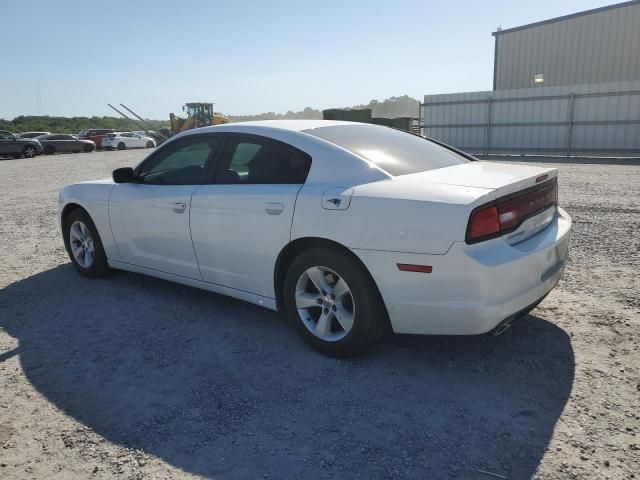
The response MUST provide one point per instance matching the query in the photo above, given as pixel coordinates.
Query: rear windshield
(395, 151)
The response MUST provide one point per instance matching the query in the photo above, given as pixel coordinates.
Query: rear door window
(253, 160)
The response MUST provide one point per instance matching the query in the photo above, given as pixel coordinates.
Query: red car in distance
(95, 135)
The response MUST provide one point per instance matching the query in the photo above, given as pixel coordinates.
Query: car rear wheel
(83, 245)
(121, 146)
(29, 151)
(150, 144)
(49, 150)
(88, 148)
(333, 302)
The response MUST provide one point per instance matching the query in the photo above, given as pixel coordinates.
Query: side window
(182, 162)
(249, 161)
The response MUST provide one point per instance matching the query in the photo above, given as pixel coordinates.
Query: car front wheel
(29, 151)
(333, 302)
(83, 244)
(121, 146)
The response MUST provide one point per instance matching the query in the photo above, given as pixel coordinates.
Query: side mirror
(124, 175)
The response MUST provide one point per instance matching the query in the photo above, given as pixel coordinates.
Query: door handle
(273, 208)
(179, 207)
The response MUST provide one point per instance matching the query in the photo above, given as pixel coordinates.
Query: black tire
(29, 151)
(99, 267)
(150, 144)
(49, 150)
(370, 320)
(122, 146)
(87, 149)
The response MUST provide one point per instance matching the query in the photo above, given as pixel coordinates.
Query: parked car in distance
(126, 140)
(63, 143)
(95, 135)
(13, 146)
(350, 229)
(33, 134)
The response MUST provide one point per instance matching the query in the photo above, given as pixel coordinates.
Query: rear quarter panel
(390, 216)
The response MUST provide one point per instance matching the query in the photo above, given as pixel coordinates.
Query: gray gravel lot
(133, 377)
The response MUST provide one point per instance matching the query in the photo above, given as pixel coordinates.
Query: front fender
(94, 198)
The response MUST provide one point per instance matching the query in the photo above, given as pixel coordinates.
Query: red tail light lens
(484, 223)
(507, 214)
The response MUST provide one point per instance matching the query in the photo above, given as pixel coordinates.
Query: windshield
(395, 151)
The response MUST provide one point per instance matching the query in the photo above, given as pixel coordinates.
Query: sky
(71, 58)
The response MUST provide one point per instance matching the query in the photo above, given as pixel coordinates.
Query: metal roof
(566, 17)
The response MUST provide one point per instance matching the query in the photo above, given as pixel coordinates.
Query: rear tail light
(484, 223)
(506, 214)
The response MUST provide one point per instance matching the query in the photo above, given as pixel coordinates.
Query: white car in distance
(124, 140)
(350, 229)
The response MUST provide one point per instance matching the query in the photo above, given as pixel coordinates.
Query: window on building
(538, 79)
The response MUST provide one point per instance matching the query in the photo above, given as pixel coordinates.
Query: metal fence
(597, 119)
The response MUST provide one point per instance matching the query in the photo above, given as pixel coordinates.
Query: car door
(241, 221)
(137, 141)
(68, 143)
(8, 144)
(150, 218)
(126, 139)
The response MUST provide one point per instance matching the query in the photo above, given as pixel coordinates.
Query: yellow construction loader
(199, 114)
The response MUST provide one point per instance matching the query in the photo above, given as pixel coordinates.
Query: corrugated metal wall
(594, 48)
(597, 119)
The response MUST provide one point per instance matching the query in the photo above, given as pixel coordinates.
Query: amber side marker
(407, 267)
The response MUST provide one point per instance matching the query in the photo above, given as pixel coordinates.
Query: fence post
(488, 127)
(570, 122)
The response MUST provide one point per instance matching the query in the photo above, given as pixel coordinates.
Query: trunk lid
(503, 178)
(521, 200)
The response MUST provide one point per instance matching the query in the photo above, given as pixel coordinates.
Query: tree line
(403, 106)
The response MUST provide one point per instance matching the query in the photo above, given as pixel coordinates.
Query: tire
(49, 150)
(150, 144)
(122, 146)
(96, 264)
(87, 149)
(362, 303)
(29, 151)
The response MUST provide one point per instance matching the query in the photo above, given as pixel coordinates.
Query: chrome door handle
(274, 208)
(179, 207)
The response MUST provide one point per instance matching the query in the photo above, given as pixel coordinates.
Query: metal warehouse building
(565, 86)
(596, 46)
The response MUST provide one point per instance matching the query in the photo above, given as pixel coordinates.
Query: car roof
(290, 125)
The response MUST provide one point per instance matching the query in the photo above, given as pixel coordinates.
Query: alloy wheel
(81, 243)
(325, 303)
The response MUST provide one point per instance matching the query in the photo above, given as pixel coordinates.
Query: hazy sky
(248, 56)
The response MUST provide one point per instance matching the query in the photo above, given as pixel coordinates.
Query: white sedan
(350, 229)
(125, 140)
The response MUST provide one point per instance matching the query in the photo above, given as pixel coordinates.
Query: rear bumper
(472, 288)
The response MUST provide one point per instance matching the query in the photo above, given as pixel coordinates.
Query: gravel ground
(133, 377)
